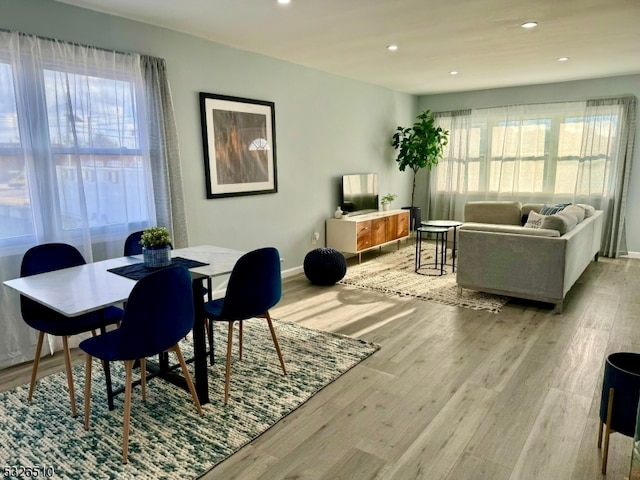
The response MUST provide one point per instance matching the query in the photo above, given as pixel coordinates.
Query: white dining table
(77, 290)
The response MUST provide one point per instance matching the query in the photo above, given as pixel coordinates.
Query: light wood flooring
(453, 393)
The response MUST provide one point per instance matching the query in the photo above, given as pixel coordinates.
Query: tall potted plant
(420, 146)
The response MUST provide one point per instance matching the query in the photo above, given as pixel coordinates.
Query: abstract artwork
(238, 137)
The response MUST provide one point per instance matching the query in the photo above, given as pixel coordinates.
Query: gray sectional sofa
(496, 254)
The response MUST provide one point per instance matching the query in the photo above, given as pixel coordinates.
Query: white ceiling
(481, 39)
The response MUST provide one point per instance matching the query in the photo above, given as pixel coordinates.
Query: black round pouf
(324, 266)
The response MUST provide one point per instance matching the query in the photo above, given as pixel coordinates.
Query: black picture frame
(239, 145)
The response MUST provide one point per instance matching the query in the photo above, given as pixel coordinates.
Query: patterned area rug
(168, 440)
(394, 273)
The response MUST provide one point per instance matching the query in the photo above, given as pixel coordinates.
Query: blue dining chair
(132, 247)
(132, 244)
(157, 315)
(255, 286)
(45, 258)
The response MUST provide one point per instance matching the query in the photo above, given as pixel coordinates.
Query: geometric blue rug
(168, 439)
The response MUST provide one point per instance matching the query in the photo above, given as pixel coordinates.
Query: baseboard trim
(290, 272)
(632, 255)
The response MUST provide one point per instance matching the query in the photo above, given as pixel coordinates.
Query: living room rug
(394, 273)
(168, 439)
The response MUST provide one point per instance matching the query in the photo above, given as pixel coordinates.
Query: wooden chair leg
(605, 451)
(36, 363)
(187, 377)
(227, 374)
(143, 378)
(87, 390)
(600, 434)
(128, 368)
(67, 364)
(275, 341)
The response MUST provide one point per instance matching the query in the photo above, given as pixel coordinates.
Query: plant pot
(619, 399)
(385, 207)
(154, 257)
(415, 217)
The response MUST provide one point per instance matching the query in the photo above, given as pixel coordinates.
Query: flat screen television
(360, 193)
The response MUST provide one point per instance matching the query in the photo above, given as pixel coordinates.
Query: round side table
(446, 224)
(441, 237)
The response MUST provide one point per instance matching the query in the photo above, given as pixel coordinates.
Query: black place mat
(138, 270)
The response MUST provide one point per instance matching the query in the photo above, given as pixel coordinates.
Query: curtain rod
(463, 111)
(51, 39)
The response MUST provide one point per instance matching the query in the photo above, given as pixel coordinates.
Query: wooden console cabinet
(364, 232)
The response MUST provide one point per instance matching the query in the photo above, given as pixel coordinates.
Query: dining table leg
(199, 344)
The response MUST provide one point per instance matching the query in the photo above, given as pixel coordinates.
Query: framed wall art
(239, 143)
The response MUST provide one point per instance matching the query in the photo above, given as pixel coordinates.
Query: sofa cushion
(563, 222)
(498, 212)
(576, 210)
(588, 209)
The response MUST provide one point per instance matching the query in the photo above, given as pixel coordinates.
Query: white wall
(326, 125)
(566, 91)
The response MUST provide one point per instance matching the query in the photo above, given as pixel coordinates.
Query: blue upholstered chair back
(255, 285)
(132, 244)
(158, 313)
(45, 258)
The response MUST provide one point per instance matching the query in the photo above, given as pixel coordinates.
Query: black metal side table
(446, 224)
(441, 238)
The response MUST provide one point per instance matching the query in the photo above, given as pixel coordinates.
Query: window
(537, 156)
(71, 147)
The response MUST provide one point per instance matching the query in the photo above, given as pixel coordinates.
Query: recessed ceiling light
(453, 72)
(563, 59)
(529, 24)
(284, 2)
(392, 48)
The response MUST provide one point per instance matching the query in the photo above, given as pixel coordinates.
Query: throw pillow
(576, 210)
(534, 220)
(553, 209)
(562, 222)
(588, 209)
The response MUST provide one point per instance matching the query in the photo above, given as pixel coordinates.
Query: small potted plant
(387, 199)
(156, 247)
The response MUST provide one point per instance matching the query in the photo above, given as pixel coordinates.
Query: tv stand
(360, 212)
(364, 232)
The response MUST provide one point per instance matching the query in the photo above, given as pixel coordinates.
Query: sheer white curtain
(449, 180)
(576, 152)
(603, 166)
(74, 161)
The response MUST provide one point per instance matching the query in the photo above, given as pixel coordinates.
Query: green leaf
(420, 145)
